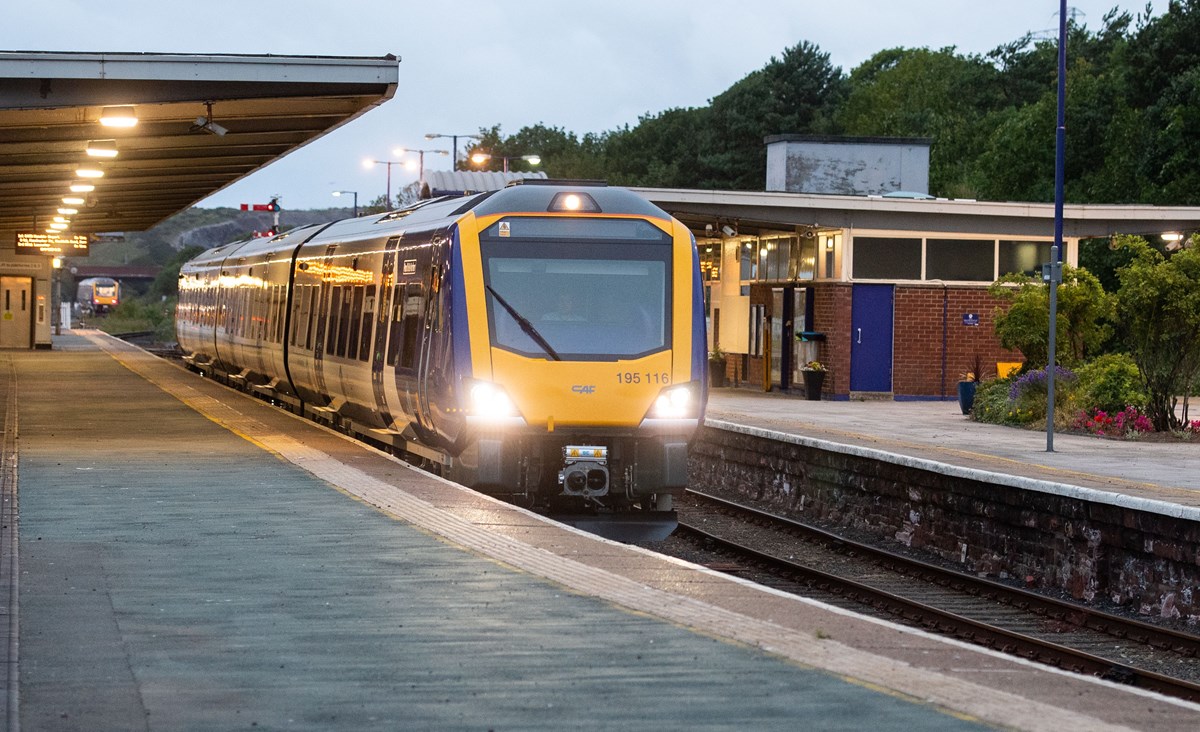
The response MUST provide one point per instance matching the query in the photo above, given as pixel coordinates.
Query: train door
(322, 313)
(16, 320)
(385, 312)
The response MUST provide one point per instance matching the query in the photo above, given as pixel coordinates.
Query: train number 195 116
(643, 377)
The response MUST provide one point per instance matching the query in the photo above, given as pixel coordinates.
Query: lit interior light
(89, 173)
(59, 227)
(60, 220)
(121, 116)
(82, 187)
(73, 200)
(68, 211)
(102, 148)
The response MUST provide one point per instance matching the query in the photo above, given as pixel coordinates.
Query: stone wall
(1045, 535)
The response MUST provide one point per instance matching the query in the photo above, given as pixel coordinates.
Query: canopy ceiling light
(58, 226)
(73, 200)
(82, 187)
(68, 211)
(89, 173)
(122, 116)
(102, 148)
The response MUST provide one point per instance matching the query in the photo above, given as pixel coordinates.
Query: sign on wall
(970, 318)
(52, 244)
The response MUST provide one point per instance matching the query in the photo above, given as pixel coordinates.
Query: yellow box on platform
(1005, 368)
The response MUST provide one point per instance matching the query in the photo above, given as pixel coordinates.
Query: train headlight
(675, 402)
(489, 403)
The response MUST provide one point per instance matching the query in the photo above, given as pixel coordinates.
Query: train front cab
(584, 332)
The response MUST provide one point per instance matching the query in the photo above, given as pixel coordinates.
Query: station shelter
(888, 292)
(93, 145)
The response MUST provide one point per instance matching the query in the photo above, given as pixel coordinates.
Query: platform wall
(1145, 561)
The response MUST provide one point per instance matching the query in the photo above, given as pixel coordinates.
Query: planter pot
(813, 381)
(966, 396)
(716, 373)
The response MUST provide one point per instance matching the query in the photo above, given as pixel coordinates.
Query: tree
(1085, 312)
(1159, 308)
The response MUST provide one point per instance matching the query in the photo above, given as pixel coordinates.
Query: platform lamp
(387, 196)
(350, 193)
(57, 263)
(420, 160)
(453, 145)
(481, 158)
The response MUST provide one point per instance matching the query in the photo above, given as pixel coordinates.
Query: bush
(1021, 400)
(1110, 383)
(1128, 422)
(992, 405)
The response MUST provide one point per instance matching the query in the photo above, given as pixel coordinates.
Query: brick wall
(932, 346)
(1145, 561)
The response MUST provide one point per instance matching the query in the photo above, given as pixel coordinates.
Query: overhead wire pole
(1055, 269)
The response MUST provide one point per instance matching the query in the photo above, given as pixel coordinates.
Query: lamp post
(481, 158)
(453, 145)
(387, 197)
(350, 193)
(420, 158)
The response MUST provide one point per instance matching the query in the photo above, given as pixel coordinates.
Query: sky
(471, 64)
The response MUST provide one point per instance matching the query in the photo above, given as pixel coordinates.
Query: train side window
(368, 320)
(354, 320)
(413, 302)
(310, 339)
(297, 303)
(335, 309)
(395, 324)
(280, 308)
(343, 317)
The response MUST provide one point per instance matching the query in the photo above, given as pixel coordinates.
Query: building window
(710, 261)
(960, 259)
(1025, 257)
(749, 262)
(882, 258)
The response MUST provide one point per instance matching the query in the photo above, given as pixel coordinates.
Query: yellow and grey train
(544, 342)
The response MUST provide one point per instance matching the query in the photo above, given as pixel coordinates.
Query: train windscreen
(578, 289)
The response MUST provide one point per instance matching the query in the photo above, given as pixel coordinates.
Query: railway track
(785, 554)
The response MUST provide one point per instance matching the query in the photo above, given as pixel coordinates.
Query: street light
(350, 193)
(454, 144)
(421, 160)
(387, 197)
(481, 158)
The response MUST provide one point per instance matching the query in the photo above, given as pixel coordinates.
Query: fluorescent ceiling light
(82, 187)
(89, 173)
(73, 200)
(102, 148)
(123, 116)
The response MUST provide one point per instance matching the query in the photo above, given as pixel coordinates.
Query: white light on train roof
(68, 211)
(89, 172)
(574, 202)
(73, 200)
(82, 187)
(121, 116)
(102, 148)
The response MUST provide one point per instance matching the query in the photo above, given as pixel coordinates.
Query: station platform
(178, 556)
(1161, 475)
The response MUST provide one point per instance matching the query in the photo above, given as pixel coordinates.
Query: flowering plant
(814, 366)
(1128, 422)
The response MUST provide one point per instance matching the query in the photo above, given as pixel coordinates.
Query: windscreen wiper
(526, 326)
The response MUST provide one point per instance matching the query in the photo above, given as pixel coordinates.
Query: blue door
(871, 338)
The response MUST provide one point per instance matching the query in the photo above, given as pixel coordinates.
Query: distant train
(98, 294)
(544, 342)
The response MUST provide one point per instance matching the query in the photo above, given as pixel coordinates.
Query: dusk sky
(586, 67)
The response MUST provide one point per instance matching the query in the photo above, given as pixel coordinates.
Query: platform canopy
(203, 122)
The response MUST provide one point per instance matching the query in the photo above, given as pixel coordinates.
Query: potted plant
(814, 379)
(967, 385)
(716, 367)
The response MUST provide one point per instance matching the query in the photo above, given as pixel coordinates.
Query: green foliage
(1083, 324)
(992, 406)
(1110, 383)
(139, 316)
(1159, 306)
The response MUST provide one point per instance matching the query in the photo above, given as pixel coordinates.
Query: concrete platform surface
(190, 558)
(1164, 471)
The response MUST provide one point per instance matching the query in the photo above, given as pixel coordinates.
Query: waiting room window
(883, 258)
(1025, 257)
(960, 259)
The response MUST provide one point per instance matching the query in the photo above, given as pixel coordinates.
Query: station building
(882, 283)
